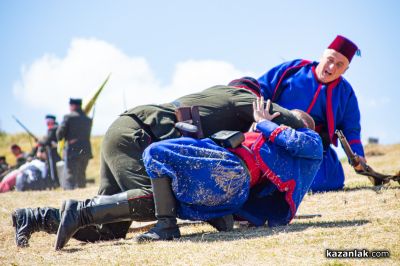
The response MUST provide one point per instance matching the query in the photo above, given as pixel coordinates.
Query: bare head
(307, 120)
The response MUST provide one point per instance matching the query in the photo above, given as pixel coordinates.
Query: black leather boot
(165, 205)
(222, 224)
(99, 210)
(27, 221)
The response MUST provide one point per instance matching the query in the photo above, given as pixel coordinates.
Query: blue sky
(158, 50)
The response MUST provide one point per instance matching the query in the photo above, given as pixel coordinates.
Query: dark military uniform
(221, 108)
(50, 144)
(75, 129)
(122, 169)
(20, 160)
(4, 168)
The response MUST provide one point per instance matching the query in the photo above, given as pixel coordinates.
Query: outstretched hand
(260, 113)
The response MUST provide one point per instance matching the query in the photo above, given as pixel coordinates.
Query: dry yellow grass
(358, 217)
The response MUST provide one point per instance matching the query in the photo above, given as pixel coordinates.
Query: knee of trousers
(141, 207)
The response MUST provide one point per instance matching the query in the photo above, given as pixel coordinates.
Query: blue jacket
(294, 85)
(335, 107)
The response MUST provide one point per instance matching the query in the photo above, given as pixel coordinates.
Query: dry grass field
(359, 217)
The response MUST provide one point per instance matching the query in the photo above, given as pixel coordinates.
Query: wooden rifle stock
(353, 158)
(375, 177)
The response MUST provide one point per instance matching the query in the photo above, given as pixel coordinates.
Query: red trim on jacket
(329, 110)
(355, 141)
(244, 152)
(314, 99)
(300, 65)
(276, 132)
(319, 128)
(257, 93)
(330, 118)
(287, 186)
(141, 197)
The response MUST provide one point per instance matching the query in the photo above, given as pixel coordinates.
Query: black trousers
(121, 169)
(141, 209)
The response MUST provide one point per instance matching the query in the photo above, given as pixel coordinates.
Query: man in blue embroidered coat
(275, 165)
(320, 90)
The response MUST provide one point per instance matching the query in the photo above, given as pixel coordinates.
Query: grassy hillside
(358, 217)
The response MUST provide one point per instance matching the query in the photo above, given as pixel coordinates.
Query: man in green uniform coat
(125, 188)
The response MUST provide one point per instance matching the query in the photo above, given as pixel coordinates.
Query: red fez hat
(344, 46)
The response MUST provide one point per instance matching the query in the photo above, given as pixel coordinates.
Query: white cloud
(49, 81)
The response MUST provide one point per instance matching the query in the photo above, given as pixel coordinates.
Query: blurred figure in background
(3, 166)
(20, 156)
(49, 142)
(75, 129)
(32, 175)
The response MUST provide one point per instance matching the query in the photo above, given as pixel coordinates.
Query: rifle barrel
(25, 128)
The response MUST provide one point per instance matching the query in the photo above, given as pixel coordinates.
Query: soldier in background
(75, 129)
(20, 156)
(3, 166)
(49, 142)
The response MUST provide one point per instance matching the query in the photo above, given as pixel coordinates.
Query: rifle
(48, 151)
(354, 160)
(25, 128)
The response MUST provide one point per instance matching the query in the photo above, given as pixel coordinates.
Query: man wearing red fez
(320, 89)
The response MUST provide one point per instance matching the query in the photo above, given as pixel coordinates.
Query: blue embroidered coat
(210, 181)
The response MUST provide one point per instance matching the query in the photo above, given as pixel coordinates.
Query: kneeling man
(264, 179)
